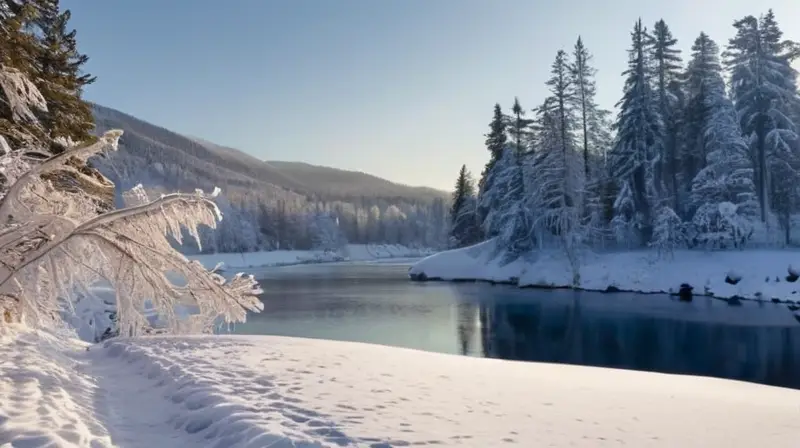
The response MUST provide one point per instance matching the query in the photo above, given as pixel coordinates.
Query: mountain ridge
(205, 161)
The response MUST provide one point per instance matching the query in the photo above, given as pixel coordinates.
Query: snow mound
(765, 274)
(476, 262)
(258, 391)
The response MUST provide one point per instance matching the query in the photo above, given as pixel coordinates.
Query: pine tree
(585, 88)
(556, 179)
(36, 41)
(60, 73)
(464, 227)
(595, 133)
(520, 129)
(702, 71)
(723, 194)
(496, 141)
(635, 151)
(763, 87)
(667, 65)
(510, 220)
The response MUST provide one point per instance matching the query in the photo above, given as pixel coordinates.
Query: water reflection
(569, 331)
(377, 304)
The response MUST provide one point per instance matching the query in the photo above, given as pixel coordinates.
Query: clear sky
(402, 89)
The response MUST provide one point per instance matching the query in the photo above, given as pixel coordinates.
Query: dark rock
(735, 301)
(792, 277)
(612, 288)
(776, 300)
(685, 292)
(421, 277)
(731, 281)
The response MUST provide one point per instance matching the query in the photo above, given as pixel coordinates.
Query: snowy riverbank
(351, 252)
(286, 392)
(760, 273)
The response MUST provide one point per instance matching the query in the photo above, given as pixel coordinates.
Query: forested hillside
(271, 205)
(703, 151)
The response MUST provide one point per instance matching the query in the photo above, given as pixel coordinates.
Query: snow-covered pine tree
(558, 182)
(464, 226)
(667, 62)
(325, 233)
(582, 74)
(764, 90)
(595, 137)
(511, 221)
(702, 71)
(668, 232)
(633, 158)
(61, 79)
(722, 199)
(520, 129)
(496, 141)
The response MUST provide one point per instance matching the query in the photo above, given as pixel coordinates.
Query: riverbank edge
(484, 269)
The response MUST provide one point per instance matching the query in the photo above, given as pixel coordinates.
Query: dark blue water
(378, 304)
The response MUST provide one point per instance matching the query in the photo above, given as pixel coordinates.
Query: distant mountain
(160, 157)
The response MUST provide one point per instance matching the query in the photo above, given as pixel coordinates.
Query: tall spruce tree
(464, 228)
(61, 79)
(595, 138)
(585, 90)
(557, 179)
(764, 90)
(496, 141)
(520, 129)
(635, 151)
(723, 196)
(667, 63)
(37, 41)
(701, 74)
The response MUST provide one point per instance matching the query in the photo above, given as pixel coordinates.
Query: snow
(351, 252)
(259, 391)
(763, 272)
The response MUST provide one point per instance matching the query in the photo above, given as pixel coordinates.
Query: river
(376, 303)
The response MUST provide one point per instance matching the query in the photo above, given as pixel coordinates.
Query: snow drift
(285, 392)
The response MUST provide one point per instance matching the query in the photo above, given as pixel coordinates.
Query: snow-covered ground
(352, 252)
(761, 273)
(265, 391)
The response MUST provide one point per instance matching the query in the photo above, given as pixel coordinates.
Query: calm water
(376, 303)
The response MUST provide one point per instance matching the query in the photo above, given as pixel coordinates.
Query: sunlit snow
(284, 392)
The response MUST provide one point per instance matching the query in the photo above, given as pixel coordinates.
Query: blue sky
(402, 89)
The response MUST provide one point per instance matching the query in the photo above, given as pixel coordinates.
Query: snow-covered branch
(56, 244)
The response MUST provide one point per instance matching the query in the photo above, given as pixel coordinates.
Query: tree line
(700, 154)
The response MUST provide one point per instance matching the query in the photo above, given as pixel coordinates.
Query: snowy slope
(286, 392)
(761, 273)
(352, 252)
